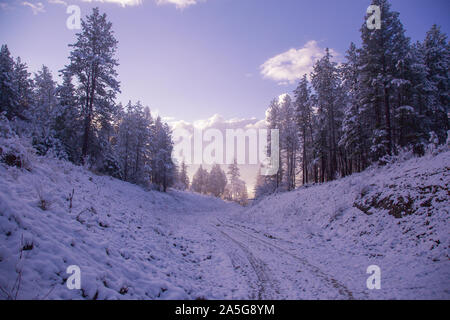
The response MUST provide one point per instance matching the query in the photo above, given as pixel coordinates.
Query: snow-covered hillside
(313, 243)
(122, 237)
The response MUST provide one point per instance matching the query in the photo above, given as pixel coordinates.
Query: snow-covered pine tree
(163, 172)
(126, 139)
(183, 178)
(23, 85)
(289, 141)
(355, 137)
(93, 63)
(237, 190)
(273, 120)
(437, 59)
(42, 114)
(328, 98)
(382, 50)
(142, 124)
(8, 92)
(134, 139)
(67, 119)
(217, 181)
(410, 124)
(243, 197)
(234, 176)
(304, 115)
(421, 95)
(200, 180)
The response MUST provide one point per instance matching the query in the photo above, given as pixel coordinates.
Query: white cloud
(36, 8)
(123, 3)
(218, 122)
(291, 65)
(180, 4)
(58, 2)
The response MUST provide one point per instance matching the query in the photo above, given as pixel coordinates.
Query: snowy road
(297, 277)
(253, 265)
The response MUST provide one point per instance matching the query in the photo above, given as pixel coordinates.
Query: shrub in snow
(44, 199)
(5, 127)
(110, 166)
(14, 151)
(434, 148)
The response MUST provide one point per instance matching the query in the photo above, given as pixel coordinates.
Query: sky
(207, 61)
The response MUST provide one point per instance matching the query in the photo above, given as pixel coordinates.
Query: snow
(312, 243)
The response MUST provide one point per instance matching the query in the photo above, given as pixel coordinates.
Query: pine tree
(237, 190)
(183, 178)
(67, 119)
(328, 98)
(421, 95)
(304, 115)
(355, 137)
(409, 122)
(23, 85)
(162, 166)
(436, 55)
(93, 63)
(200, 181)
(243, 198)
(44, 105)
(134, 143)
(142, 138)
(289, 141)
(382, 50)
(273, 120)
(217, 181)
(126, 141)
(8, 92)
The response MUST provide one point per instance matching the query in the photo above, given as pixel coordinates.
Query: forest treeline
(388, 95)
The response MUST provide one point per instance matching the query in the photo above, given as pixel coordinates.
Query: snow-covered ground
(313, 243)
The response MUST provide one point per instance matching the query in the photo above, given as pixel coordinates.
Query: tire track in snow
(342, 289)
(265, 283)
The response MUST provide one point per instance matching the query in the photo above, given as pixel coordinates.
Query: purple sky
(191, 59)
